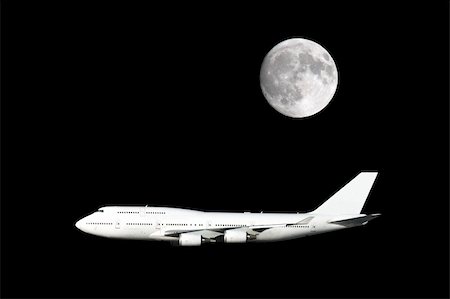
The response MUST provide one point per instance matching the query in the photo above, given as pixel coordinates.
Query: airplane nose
(78, 224)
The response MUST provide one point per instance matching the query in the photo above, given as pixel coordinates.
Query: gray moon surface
(298, 77)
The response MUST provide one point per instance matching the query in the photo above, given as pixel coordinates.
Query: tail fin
(349, 199)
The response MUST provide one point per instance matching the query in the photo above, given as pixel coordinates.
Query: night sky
(120, 104)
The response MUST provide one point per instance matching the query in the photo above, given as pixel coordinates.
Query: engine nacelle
(235, 236)
(190, 240)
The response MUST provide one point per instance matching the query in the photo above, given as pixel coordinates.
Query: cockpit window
(100, 210)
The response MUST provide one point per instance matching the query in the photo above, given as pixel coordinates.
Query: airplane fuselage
(157, 223)
(188, 227)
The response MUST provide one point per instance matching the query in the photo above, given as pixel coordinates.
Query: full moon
(298, 77)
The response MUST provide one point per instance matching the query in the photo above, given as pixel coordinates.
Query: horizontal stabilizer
(354, 221)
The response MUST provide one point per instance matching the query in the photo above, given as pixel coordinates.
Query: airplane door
(117, 224)
(157, 224)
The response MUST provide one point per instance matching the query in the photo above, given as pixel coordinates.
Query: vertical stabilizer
(349, 199)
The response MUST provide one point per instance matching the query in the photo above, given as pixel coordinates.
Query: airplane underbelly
(282, 233)
(132, 233)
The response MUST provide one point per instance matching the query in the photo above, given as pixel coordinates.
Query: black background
(120, 104)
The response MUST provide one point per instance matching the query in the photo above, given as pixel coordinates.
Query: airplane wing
(207, 234)
(354, 221)
(262, 228)
(213, 233)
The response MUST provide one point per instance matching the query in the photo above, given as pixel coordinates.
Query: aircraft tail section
(349, 199)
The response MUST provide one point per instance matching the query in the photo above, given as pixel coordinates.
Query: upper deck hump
(149, 210)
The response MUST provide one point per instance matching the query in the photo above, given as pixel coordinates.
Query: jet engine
(235, 236)
(190, 240)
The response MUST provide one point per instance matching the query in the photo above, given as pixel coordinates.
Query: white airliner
(187, 227)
